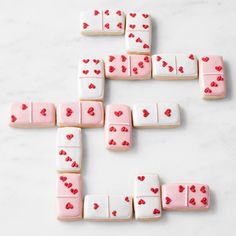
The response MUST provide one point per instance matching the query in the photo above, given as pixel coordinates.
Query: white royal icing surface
(96, 207)
(145, 114)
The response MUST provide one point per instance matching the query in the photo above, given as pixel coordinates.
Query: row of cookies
(148, 200)
(136, 26)
(119, 119)
(210, 71)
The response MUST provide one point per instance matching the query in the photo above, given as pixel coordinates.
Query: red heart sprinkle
(164, 63)
(139, 40)
(111, 69)
(181, 69)
(96, 61)
(125, 143)
(145, 113)
(158, 58)
(85, 25)
(124, 129)
(214, 84)
(191, 56)
(220, 78)
(181, 188)
(127, 199)
(218, 68)
(107, 12)
(107, 25)
(119, 25)
(154, 190)
(112, 142)
(207, 90)
(146, 46)
(131, 35)
(85, 72)
(170, 68)
(96, 12)
(62, 152)
(141, 202)
(85, 61)
(123, 58)
(168, 112)
(114, 213)
(74, 164)
(118, 113)
(74, 191)
(95, 206)
(203, 189)
(140, 64)
(135, 70)
(68, 111)
(118, 13)
(97, 72)
(146, 59)
(68, 159)
(43, 112)
(192, 201)
(63, 178)
(156, 211)
(205, 59)
(68, 185)
(168, 200)
(112, 129)
(132, 26)
(145, 15)
(13, 118)
(111, 58)
(204, 201)
(24, 106)
(132, 14)
(141, 178)
(91, 86)
(69, 136)
(145, 26)
(193, 188)
(123, 69)
(90, 111)
(69, 206)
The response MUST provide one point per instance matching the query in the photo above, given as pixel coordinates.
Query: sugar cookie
(212, 77)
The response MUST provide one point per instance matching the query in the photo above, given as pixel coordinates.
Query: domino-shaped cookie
(174, 66)
(32, 115)
(156, 115)
(128, 67)
(69, 149)
(108, 208)
(185, 196)
(212, 77)
(138, 33)
(84, 114)
(91, 79)
(69, 196)
(147, 201)
(118, 128)
(102, 22)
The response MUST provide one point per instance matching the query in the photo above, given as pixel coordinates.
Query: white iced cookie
(108, 208)
(91, 79)
(174, 66)
(102, 22)
(147, 203)
(156, 115)
(69, 149)
(138, 33)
